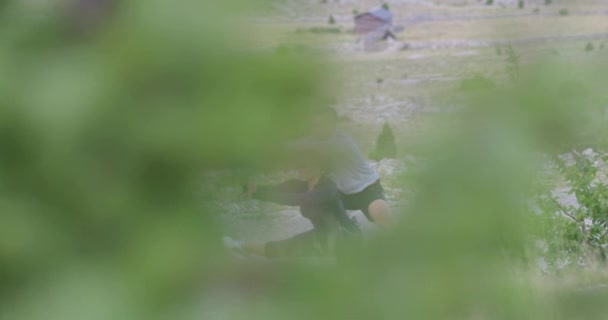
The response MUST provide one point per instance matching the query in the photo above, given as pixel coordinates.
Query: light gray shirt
(348, 168)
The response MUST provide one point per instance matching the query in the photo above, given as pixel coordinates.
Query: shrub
(385, 6)
(547, 2)
(520, 4)
(564, 12)
(577, 233)
(103, 169)
(489, 2)
(589, 47)
(385, 144)
(331, 20)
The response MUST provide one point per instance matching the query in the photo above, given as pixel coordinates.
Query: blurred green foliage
(104, 128)
(106, 123)
(477, 82)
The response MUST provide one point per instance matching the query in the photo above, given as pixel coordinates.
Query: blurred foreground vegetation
(111, 110)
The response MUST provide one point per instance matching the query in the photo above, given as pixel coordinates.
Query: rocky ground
(256, 221)
(252, 220)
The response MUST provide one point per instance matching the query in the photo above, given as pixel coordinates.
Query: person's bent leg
(380, 212)
(374, 205)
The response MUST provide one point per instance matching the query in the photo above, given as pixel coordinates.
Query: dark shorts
(362, 200)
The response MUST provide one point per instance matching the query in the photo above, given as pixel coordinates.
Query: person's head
(323, 122)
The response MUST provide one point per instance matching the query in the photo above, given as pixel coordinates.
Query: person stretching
(319, 201)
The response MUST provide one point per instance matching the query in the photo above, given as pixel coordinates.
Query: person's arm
(322, 193)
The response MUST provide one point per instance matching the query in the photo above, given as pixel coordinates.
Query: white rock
(588, 152)
(564, 197)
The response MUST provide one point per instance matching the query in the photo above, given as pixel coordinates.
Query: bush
(385, 144)
(521, 4)
(489, 2)
(589, 47)
(385, 6)
(331, 20)
(547, 2)
(577, 233)
(564, 12)
(97, 173)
